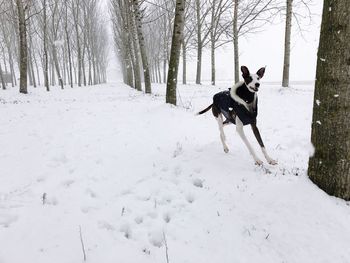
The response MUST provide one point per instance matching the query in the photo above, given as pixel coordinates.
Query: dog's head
(252, 81)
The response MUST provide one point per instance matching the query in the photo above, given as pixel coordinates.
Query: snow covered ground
(133, 172)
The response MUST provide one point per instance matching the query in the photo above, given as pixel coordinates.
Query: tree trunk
(12, 70)
(23, 47)
(2, 79)
(31, 74)
(144, 57)
(158, 69)
(175, 52)
(76, 22)
(29, 70)
(57, 66)
(199, 43)
(83, 61)
(235, 41)
(46, 59)
(329, 168)
(212, 56)
(212, 41)
(70, 72)
(184, 63)
(164, 70)
(134, 52)
(286, 63)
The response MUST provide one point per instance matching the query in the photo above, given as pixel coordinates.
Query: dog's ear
(261, 72)
(245, 71)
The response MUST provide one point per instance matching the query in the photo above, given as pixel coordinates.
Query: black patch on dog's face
(246, 75)
(248, 79)
(252, 81)
(260, 72)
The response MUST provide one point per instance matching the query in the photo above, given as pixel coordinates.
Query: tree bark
(158, 70)
(46, 59)
(57, 66)
(2, 79)
(212, 42)
(235, 40)
(199, 43)
(76, 22)
(143, 51)
(134, 50)
(288, 30)
(184, 63)
(175, 52)
(70, 72)
(329, 168)
(23, 47)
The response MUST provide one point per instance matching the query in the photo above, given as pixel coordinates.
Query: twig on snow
(166, 248)
(82, 243)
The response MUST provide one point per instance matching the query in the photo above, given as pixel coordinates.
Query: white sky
(264, 48)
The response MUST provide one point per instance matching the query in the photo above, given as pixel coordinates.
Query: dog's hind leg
(222, 133)
(258, 138)
(240, 131)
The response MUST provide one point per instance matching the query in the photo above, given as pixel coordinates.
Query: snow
(58, 43)
(131, 171)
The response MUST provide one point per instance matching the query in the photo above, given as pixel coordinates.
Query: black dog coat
(231, 108)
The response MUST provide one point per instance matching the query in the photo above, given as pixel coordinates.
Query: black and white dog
(239, 105)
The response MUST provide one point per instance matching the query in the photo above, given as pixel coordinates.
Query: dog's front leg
(240, 131)
(222, 133)
(258, 138)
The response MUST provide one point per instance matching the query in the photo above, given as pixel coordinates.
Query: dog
(239, 105)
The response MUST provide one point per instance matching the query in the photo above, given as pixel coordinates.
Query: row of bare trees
(52, 42)
(207, 24)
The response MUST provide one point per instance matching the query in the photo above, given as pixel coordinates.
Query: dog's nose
(257, 85)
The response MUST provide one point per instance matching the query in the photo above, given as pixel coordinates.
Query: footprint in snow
(91, 193)
(41, 179)
(138, 220)
(6, 220)
(198, 170)
(87, 209)
(177, 170)
(198, 182)
(167, 217)
(152, 214)
(126, 230)
(156, 237)
(190, 197)
(49, 200)
(67, 183)
(167, 199)
(105, 225)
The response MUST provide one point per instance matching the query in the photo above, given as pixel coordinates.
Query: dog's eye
(258, 78)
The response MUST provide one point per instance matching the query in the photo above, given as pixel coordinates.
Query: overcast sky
(266, 48)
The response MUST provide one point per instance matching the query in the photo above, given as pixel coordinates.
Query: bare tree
(248, 17)
(219, 24)
(298, 15)
(46, 57)
(125, 37)
(329, 168)
(142, 44)
(202, 10)
(286, 62)
(175, 52)
(2, 78)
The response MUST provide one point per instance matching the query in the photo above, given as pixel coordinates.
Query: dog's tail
(205, 110)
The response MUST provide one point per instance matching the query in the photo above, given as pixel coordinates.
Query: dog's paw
(258, 162)
(272, 162)
(226, 150)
